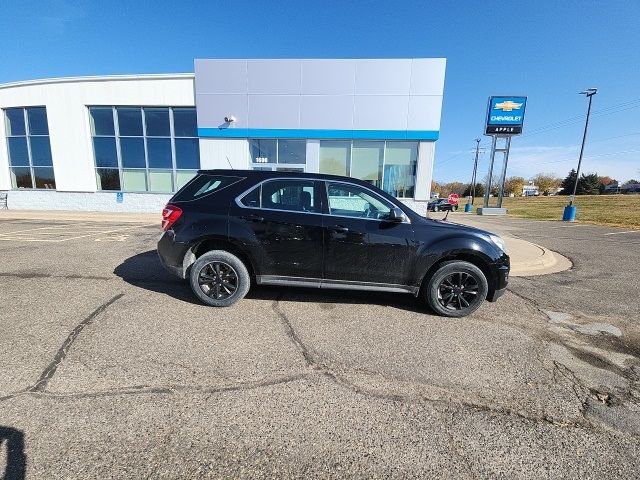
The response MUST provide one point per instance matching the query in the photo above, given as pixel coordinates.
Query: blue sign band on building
(319, 134)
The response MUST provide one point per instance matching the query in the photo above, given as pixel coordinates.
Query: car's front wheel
(219, 278)
(456, 289)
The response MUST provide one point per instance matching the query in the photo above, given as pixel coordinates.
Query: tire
(448, 278)
(436, 209)
(455, 208)
(224, 270)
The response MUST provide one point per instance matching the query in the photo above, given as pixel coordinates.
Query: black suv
(441, 204)
(227, 228)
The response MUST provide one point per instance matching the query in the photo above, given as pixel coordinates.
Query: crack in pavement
(62, 352)
(32, 275)
(404, 398)
(161, 389)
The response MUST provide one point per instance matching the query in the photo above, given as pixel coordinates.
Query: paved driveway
(112, 369)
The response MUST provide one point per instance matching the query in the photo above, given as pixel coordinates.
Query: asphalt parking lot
(110, 368)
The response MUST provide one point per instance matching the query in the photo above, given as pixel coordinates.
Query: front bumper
(501, 279)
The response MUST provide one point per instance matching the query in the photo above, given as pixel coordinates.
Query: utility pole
(475, 169)
(570, 210)
(473, 178)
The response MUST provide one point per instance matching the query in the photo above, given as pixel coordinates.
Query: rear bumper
(173, 254)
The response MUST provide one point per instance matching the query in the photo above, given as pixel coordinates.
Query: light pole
(469, 206)
(570, 210)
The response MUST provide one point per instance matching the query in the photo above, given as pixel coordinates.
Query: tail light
(170, 214)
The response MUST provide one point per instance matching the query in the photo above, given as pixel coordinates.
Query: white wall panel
(424, 170)
(224, 153)
(274, 76)
(383, 77)
(424, 113)
(274, 111)
(328, 77)
(226, 76)
(326, 112)
(215, 107)
(380, 112)
(313, 156)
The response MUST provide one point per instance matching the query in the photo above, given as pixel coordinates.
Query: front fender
(468, 247)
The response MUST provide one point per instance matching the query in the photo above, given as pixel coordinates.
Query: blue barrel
(569, 213)
(468, 207)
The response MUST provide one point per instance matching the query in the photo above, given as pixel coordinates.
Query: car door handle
(339, 229)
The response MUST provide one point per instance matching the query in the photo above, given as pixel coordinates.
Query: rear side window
(204, 185)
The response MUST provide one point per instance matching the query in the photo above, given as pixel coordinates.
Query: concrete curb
(530, 259)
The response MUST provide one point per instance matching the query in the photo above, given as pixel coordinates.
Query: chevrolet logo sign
(507, 106)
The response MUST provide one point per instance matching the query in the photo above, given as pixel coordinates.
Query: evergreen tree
(568, 182)
(588, 184)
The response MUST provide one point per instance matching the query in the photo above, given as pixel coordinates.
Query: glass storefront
(144, 149)
(390, 165)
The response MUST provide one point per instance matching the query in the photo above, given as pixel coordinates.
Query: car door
(361, 244)
(284, 223)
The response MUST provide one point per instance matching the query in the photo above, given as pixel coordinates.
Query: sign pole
(503, 176)
(505, 118)
(487, 189)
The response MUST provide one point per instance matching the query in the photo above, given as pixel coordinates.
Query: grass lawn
(613, 210)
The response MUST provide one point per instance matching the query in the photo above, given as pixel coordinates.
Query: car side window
(293, 195)
(252, 199)
(347, 200)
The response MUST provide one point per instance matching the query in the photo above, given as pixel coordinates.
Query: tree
(452, 187)
(546, 183)
(435, 187)
(628, 183)
(479, 190)
(568, 182)
(587, 184)
(514, 185)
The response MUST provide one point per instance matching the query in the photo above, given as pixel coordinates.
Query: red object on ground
(453, 198)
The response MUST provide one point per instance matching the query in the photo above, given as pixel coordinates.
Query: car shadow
(16, 466)
(144, 270)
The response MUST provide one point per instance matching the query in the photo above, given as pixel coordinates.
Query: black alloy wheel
(456, 289)
(218, 280)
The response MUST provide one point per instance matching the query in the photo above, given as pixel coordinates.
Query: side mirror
(397, 215)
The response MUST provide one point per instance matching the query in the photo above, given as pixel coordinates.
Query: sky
(548, 50)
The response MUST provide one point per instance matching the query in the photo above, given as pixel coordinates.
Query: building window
(389, 165)
(29, 148)
(144, 149)
(282, 155)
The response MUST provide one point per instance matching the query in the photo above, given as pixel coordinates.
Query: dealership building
(126, 142)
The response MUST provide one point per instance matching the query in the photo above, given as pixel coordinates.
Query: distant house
(613, 187)
(530, 190)
(630, 188)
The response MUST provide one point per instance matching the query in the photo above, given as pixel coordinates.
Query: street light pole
(570, 210)
(589, 93)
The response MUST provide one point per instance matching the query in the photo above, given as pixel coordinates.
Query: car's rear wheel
(219, 278)
(456, 289)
